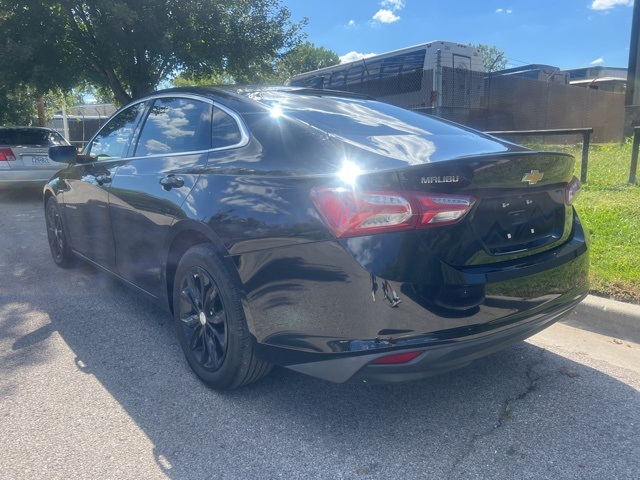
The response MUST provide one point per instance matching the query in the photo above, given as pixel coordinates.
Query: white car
(24, 155)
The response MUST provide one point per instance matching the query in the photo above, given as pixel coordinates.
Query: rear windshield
(351, 116)
(31, 137)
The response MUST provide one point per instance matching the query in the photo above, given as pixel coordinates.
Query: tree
(130, 46)
(305, 58)
(302, 58)
(17, 106)
(492, 58)
(185, 80)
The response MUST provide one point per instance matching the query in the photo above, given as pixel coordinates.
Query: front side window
(176, 125)
(114, 139)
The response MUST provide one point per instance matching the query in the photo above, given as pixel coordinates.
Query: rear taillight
(572, 191)
(350, 213)
(436, 210)
(397, 358)
(7, 155)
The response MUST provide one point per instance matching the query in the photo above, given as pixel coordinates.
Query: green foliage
(185, 80)
(18, 106)
(34, 48)
(302, 58)
(305, 58)
(492, 58)
(610, 210)
(131, 46)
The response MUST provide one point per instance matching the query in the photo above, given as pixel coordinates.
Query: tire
(57, 236)
(210, 322)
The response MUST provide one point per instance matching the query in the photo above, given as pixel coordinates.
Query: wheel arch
(187, 234)
(46, 195)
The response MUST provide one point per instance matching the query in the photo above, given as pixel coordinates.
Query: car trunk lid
(32, 157)
(521, 204)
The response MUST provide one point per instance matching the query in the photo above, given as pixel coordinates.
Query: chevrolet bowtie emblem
(533, 177)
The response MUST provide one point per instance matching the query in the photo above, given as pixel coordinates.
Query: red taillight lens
(572, 191)
(396, 359)
(350, 213)
(7, 155)
(436, 210)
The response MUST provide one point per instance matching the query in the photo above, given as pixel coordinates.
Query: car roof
(247, 96)
(18, 127)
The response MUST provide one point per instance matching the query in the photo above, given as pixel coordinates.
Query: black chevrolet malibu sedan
(325, 232)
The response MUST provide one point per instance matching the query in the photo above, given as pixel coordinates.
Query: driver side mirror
(64, 154)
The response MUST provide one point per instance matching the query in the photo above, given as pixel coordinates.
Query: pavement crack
(504, 415)
(532, 386)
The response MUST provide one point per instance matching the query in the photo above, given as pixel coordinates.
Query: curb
(607, 317)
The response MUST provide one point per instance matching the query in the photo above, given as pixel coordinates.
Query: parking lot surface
(93, 384)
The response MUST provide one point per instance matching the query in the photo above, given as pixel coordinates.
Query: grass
(610, 209)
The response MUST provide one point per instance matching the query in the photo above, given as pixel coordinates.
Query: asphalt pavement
(93, 384)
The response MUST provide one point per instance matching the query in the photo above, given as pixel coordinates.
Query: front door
(149, 189)
(86, 200)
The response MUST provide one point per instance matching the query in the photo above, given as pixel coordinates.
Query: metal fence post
(634, 155)
(586, 138)
(438, 83)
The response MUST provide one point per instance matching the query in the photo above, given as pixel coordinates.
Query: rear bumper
(321, 309)
(18, 178)
(436, 357)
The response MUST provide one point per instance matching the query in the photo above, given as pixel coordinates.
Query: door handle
(102, 179)
(171, 181)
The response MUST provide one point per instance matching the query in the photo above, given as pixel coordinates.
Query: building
(608, 79)
(82, 121)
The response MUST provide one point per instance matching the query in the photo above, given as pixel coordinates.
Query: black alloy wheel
(210, 322)
(203, 319)
(60, 251)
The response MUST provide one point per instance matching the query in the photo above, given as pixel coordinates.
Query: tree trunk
(42, 121)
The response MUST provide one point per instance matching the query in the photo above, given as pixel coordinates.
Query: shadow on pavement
(520, 413)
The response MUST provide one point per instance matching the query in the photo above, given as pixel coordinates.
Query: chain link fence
(455, 89)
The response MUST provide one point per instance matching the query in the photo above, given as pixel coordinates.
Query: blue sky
(562, 33)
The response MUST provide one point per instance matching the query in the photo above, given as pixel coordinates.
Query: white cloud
(385, 16)
(609, 4)
(352, 23)
(393, 4)
(351, 56)
(597, 61)
(499, 10)
(502, 10)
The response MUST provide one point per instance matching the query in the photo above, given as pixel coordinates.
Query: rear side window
(31, 137)
(176, 125)
(226, 131)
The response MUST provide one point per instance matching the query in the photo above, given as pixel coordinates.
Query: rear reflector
(573, 189)
(7, 155)
(350, 213)
(396, 359)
